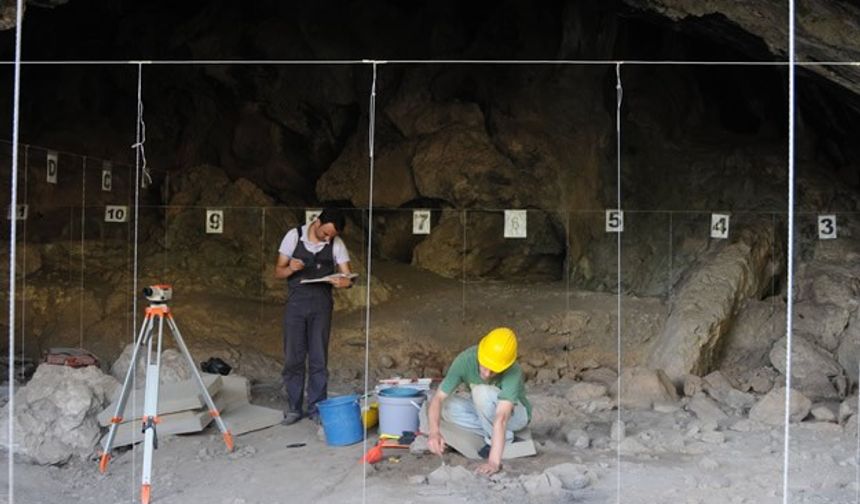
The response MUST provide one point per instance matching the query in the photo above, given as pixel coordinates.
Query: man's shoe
(291, 417)
(315, 418)
(484, 452)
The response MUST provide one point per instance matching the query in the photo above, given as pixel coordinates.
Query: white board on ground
(172, 397)
(249, 417)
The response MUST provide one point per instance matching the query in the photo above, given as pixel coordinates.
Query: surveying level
(158, 295)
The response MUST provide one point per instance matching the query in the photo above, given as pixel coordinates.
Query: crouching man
(497, 406)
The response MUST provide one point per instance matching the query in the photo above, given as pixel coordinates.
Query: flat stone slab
(248, 417)
(468, 443)
(172, 398)
(175, 423)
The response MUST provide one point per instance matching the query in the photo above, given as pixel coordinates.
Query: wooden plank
(172, 398)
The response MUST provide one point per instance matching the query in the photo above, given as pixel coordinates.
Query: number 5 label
(826, 227)
(214, 221)
(421, 222)
(614, 221)
(719, 226)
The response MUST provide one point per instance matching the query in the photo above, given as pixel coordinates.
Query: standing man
(307, 252)
(497, 407)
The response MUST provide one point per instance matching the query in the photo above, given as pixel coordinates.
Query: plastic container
(398, 414)
(341, 420)
(370, 415)
(400, 392)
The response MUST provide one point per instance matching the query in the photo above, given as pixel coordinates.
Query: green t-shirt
(465, 369)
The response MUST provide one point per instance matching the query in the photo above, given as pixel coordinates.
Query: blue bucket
(341, 420)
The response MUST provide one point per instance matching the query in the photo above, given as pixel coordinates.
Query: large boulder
(771, 408)
(641, 388)
(55, 413)
(813, 370)
(822, 324)
(173, 369)
(848, 352)
(708, 302)
(748, 342)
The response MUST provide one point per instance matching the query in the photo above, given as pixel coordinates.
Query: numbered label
(52, 167)
(107, 176)
(312, 214)
(614, 221)
(515, 223)
(421, 222)
(720, 226)
(116, 213)
(214, 221)
(826, 227)
(20, 212)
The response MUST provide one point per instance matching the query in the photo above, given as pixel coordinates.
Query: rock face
(55, 413)
(474, 243)
(708, 302)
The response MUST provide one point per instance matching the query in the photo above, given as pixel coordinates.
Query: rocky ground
(711, 439)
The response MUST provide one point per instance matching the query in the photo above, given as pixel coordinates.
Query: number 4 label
(116, 213)
(515, 223)
(719, 226)
(614, 221)
(421, 222)
(826, 227)
(214, 221)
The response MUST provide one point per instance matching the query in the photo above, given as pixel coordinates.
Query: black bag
(216, 366)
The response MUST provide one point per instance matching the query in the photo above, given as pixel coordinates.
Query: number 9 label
(214, 221)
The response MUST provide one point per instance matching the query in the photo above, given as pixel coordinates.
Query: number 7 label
(421, 222)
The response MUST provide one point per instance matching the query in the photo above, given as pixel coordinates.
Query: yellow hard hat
(498, 349)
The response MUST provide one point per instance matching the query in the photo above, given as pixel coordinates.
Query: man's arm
(435, 441)
(285, 266)
(504, 410)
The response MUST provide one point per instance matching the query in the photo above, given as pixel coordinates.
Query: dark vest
(316, 266)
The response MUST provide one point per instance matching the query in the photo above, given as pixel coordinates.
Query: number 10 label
(214, 221)
(421, 222)
(116, 213)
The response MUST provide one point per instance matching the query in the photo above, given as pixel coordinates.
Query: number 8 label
(826, 227)
(214, 221)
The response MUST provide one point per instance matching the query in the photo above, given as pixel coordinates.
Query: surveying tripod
(158, 295)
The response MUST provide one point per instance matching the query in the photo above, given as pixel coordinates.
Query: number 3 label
(116, 213)
(421, 222)
(214, 221)
(719, 226)
(614, 221)
(826, 227)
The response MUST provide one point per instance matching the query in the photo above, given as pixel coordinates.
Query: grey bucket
(398, 414)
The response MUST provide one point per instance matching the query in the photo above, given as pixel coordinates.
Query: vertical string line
(139, 159)
(13, 237)
(24, 262)
(370, 146)
(618, 97)
(790, 262)
(83, 264)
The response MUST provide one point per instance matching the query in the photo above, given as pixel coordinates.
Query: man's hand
(296, 264)
(488, 469)
(436, 443)
(340, 282)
